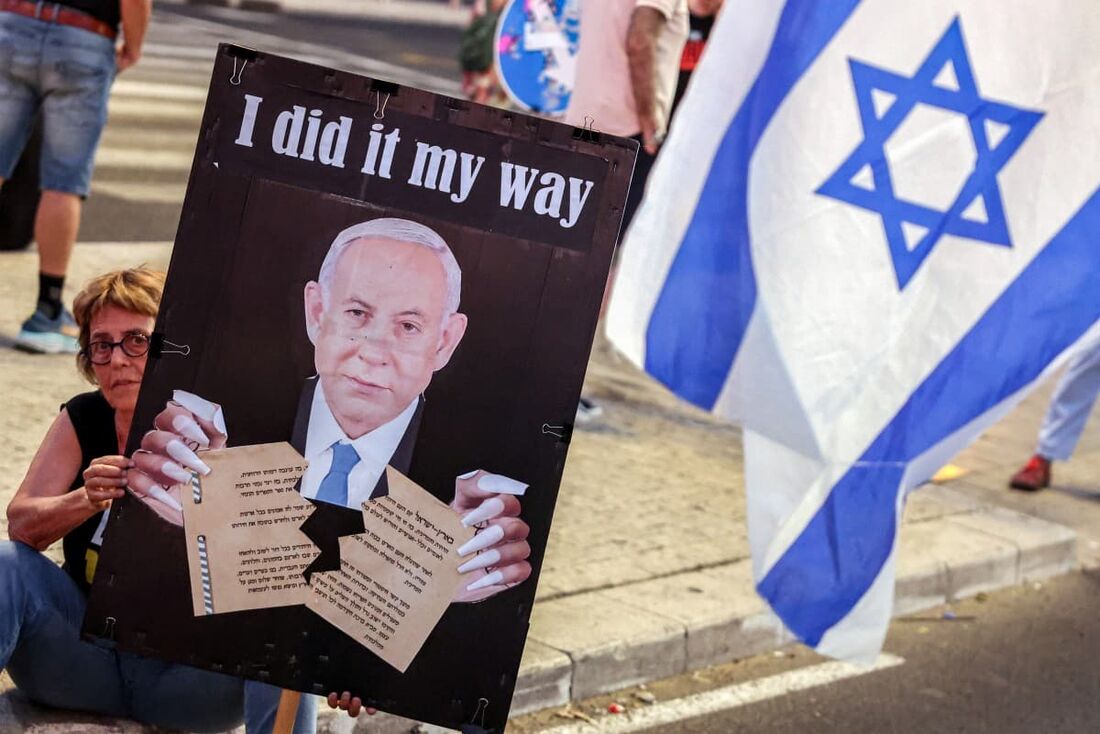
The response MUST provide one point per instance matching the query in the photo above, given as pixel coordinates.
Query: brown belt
(60, 14)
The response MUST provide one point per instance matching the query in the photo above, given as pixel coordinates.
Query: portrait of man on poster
(383, 317)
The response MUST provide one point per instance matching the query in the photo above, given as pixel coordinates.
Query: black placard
(256, 225)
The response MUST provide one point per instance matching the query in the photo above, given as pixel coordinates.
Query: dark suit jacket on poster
(328, 522)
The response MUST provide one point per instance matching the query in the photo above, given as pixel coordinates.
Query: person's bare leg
(50, 329)
(55, 226)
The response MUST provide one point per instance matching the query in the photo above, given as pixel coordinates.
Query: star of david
(944, 80)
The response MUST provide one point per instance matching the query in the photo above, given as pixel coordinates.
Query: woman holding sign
(78, 471)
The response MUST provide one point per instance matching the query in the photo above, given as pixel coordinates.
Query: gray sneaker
(42, 335)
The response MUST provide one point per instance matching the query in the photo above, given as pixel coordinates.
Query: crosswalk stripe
(176, 64)
(155, 109)
(206, 52)
(120, 107)
(151, 193)
(159, 90)
(145, 159)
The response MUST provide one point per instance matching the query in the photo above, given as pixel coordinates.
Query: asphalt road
(432, 49)
(1024, 660)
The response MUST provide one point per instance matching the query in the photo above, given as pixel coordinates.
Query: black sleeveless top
(105, 10)
(94, 421)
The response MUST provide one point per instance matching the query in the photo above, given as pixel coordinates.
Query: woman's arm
(43, 509)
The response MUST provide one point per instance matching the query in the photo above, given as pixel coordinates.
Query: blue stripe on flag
(704, 307)
(827, 570)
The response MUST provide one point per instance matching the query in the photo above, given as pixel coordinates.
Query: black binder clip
(382, 93)
(241, 56)
(587, 132)
(159, 346)
(477, 721)
(563, 432)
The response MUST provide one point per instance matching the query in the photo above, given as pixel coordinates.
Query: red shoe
(1034, 476)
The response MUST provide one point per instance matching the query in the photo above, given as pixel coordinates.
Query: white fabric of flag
(874, 226)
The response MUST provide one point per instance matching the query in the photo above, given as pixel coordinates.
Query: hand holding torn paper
(244, 548)
(395, 580)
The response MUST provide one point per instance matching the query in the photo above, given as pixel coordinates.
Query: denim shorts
(65, 73)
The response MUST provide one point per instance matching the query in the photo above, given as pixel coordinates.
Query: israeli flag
(873, 228)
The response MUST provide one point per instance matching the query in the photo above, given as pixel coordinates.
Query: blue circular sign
(536, 50)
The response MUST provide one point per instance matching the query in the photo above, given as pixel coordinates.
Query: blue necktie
(334, 487)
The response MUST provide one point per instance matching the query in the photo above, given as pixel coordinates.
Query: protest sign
(400, 290)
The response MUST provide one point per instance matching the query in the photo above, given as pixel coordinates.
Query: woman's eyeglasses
(132, 345)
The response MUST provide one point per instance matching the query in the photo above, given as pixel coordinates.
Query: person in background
(700, 21)
(476, 56)
(61, 59)
(1065, 419)
(627, 64)
(627, 67)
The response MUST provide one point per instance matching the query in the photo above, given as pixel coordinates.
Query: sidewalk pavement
(647, 573)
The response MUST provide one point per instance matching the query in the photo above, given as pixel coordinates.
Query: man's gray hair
(401, 230)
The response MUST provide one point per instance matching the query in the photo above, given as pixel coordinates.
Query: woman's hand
(495, 559)
(105, 480)
(168, 453)
(352, 704)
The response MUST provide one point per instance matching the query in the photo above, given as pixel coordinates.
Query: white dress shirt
(375, 449)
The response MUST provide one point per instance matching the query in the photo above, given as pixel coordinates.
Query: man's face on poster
(381, 331)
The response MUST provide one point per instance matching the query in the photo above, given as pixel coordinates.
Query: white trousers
(1070, 405)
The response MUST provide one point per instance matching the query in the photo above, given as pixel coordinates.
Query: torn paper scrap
(396, 580)
(244, 548)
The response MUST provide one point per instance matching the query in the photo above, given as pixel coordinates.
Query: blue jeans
(66, 73)
(41, 610)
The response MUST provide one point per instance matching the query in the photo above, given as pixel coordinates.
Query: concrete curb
(642, 631)
(951, 547)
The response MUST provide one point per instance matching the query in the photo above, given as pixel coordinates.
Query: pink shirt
(602, 90)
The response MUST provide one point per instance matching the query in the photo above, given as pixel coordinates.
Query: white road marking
(179, 51)
(146, 160)
(141, 109)
(319, 54)
(730, 697)
(159, 90)
(198, 67)
(153, 193)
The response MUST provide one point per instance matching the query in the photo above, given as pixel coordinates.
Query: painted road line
(205, 52)
(146, 160)
(161, 110)
(317, 53)
(730, 697)
(149, 192)
(159, 90)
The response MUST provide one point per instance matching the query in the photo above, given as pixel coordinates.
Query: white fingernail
(186, 456)
(219, 421)
(161, 495)
(484, 539)
(481, 560)
(177, 472)
(201, 407)
(186, 426)
(501, 485)
(468, 474)
(489, 579)
(487, 510)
